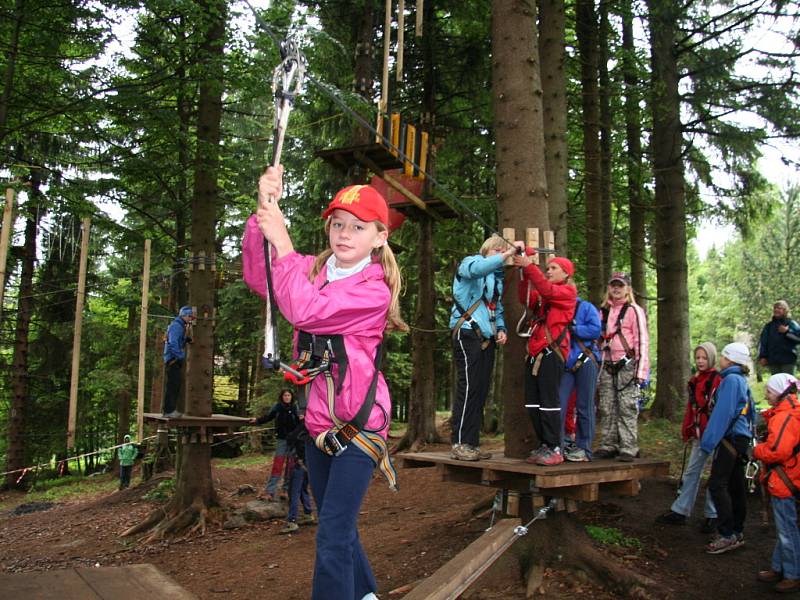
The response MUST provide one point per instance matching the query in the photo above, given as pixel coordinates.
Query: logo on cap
(351, 195)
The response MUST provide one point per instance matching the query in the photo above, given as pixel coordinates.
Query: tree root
(170, 522)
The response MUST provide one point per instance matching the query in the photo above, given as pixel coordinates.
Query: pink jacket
(354, 307)
(634, 328)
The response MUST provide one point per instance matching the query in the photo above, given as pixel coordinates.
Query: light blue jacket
(733, 410)
(585, 325)
(479, 277)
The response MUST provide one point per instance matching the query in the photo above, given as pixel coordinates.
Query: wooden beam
(370, 164)
(5, 238)
(401, 25)
(463, 475)
(462, 570)
(419, 18)
(76, 340)
(623, 488)
(143, 342)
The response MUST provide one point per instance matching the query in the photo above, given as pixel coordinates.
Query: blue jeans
(339, 483)
(684, 503)
(786, 556)
(278, 465)
(584, 381)
(298, 492)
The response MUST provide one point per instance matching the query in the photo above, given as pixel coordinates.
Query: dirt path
(407, 535)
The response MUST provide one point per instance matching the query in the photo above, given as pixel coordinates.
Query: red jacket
(698, 408)
(554, 312)
(783, 423)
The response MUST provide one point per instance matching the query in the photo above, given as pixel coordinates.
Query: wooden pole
(401, 25)
(76, 340)
(5, 239)
(419, 15)
(143, 342)
(387, 43)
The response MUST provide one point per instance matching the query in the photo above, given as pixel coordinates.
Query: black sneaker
(604, 453)
(671, 518)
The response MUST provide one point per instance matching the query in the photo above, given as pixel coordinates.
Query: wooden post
(143, 342)
(549, 240)
(532, 240)
(5, 238)
(419, 16)
(76, 340)
(383, 108)
(401, 25)
(509, 235)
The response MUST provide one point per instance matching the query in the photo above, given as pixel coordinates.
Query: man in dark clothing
(174, 357)
(779, 338)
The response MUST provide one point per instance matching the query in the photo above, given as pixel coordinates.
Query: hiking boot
(535, 454)
(787, 586)
(605, 453)
(464, 452)
(309, 519)
(482, 455)
(290, 527)
(575, 454)
(175, 414)
(769, 576)
(623, 457)
(724, 543)
(550, 458)
(709, 525)
(671, 518)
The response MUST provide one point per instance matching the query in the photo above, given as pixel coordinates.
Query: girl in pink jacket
(342, 300)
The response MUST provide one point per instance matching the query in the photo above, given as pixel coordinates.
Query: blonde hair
(391, 275)
(492, 242)
(629, 298)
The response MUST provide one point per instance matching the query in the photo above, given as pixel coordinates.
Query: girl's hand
(521, 260)
(270, 185)
(502, 337)
(510, 251)
(270, 221)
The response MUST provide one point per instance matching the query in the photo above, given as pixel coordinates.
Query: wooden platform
(577, 481)
(369, 155)
(217, 421)
(132, 582)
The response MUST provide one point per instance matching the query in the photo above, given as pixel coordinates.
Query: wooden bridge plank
(133, 582)
(453, 577)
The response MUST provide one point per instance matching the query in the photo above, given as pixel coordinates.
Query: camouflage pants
(619, 410)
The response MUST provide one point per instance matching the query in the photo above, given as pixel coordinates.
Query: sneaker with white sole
(724, 543)
(575, 454)
(550, 457)
(536, 454)
(290, 527)
(464, 452)
(307, 519)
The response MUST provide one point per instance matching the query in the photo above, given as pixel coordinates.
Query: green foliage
(612, 536)
(63, 489)
(162, 492)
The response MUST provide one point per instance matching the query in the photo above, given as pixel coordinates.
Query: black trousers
(173, 376)
(542, 400)
(473, 376)
(727, 485)
(125, 475)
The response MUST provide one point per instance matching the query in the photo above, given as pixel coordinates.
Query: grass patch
(611, 536)
(241, 462)
(65, 488)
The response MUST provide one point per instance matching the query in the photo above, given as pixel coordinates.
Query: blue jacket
(779, 348)
(479, 277)
(733, 412)
(175, 344)
(585, 325)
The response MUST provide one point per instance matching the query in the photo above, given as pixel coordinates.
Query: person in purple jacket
(340, 303)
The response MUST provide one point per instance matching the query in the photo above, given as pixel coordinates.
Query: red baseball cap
(363, 201)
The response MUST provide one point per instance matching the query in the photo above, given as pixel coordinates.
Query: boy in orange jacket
(779, 453)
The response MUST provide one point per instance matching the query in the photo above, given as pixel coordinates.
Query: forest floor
(407, 536)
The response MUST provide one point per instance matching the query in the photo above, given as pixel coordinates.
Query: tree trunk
(606, 124)
(586, 32)
(670, 211)
(15, 455)
(244, 386)
(554, 110)
(194, 488)
(520, 176)
(363, 71)
(11, 65)
(633, 136)
(422, 401)
(124, 396)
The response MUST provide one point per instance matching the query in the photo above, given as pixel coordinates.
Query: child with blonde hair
(342, 301)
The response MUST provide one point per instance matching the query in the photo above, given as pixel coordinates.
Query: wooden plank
(456, 575)
(460, 475)
(63, 584)
(623, 488)
(216, 421)
(585, 493)
(133, 582)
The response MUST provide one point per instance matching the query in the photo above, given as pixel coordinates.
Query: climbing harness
(614, 368)
(287, 83)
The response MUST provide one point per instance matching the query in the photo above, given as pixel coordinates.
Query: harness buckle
(333, 445)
